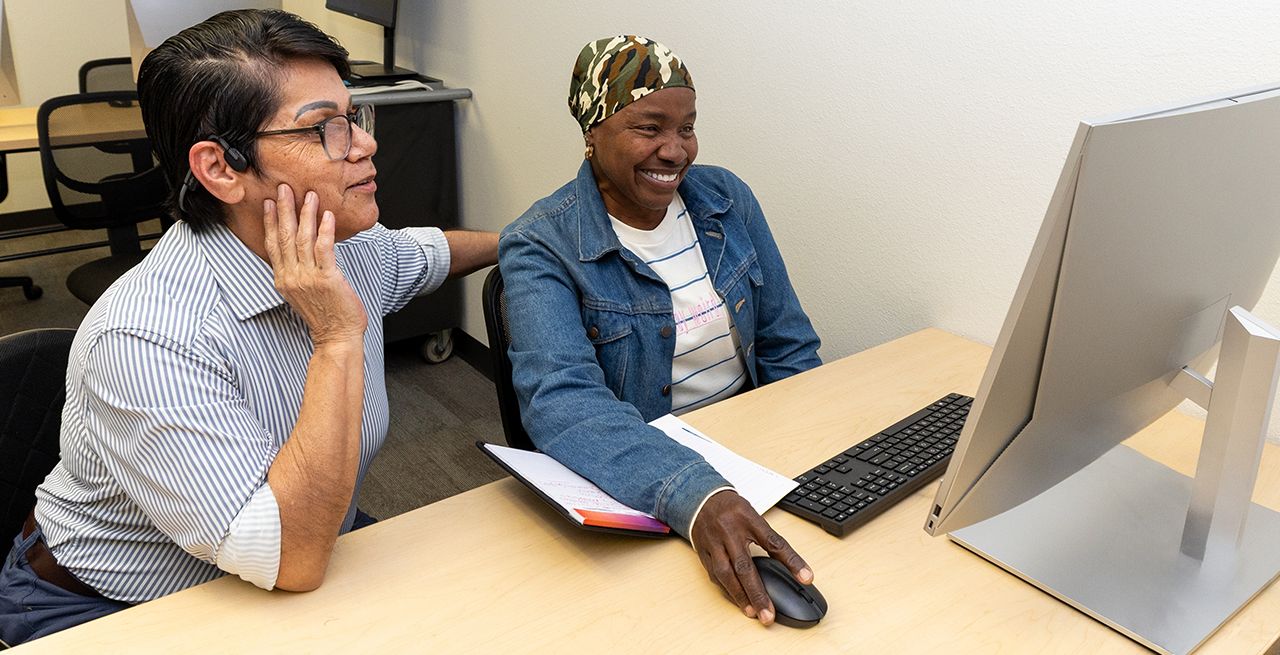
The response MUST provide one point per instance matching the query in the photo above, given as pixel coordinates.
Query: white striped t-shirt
(708, 363)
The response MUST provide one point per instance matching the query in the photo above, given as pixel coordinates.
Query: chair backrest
(33, 369)
(98, 167)
(114, 74)
(498, 326)
(4, 177)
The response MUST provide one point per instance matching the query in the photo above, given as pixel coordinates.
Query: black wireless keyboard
(853, 487)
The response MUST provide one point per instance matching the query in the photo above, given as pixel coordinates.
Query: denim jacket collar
(596, 237)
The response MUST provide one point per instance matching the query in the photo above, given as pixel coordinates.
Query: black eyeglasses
(334, 131)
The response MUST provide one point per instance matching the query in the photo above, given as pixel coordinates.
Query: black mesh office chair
(33, 369)
(100, 174)
(29, 288)
(497, 325)
(114, 74)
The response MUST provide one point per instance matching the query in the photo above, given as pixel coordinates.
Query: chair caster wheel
(438, 347)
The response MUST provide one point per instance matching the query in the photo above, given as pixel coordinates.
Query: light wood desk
(18, 129)
(494, 570)
(77, 124)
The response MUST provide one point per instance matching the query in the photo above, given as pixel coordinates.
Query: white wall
(904, 155)
(904, 152)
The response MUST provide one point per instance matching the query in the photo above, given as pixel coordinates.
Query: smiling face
(642, 153)
(310, 93)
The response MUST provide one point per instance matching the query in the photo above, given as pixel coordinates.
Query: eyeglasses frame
(319, 128)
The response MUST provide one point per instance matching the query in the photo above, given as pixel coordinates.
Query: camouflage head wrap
(616, 71)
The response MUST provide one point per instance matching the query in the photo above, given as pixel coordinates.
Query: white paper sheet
(570, 490)
(761, 486)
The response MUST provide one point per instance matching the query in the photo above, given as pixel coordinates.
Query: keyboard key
(811, 506)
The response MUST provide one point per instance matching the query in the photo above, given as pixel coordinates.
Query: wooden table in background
(92, 122)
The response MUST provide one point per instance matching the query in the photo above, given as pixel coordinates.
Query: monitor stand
(1160, 557)
(366, 73)
(373, 73)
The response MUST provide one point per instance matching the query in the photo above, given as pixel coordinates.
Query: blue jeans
(31, 608)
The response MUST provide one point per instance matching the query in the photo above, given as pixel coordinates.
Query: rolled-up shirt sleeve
(413, 260)
(252, 547)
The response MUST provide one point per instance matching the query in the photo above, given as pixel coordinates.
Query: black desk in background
(418, 185)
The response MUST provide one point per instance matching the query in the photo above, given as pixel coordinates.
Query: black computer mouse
(796, 605)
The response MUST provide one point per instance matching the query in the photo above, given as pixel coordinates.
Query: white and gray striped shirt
(184, 381)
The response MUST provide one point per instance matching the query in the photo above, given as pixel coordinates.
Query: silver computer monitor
(1162, 221)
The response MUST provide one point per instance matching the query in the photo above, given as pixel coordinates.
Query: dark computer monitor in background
(379, 12)
(1163, 222)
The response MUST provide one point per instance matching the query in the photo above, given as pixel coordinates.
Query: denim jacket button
(593, 332)
(666, 390)
(665, 332)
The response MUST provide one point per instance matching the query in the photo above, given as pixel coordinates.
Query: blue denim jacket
(592, 334)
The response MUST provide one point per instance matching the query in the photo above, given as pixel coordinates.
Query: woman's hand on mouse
(722, 534)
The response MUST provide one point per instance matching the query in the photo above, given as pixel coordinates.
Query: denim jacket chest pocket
(741, 292)
(608, 331)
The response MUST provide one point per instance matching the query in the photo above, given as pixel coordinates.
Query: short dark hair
(221, 77)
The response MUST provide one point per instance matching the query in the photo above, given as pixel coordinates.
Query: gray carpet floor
(437, 411)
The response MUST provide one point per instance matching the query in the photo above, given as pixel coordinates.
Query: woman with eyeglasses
(226, 396)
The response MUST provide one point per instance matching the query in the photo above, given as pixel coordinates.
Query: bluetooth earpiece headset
(234, 158)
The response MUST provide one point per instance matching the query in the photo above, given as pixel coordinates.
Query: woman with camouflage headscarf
(648, 286)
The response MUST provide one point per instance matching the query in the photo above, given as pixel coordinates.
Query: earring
(591, 150)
